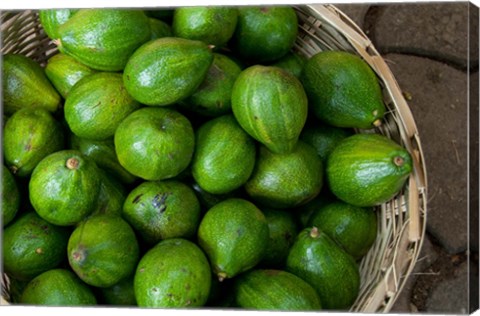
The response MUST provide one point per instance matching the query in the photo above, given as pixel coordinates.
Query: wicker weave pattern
(402, 220)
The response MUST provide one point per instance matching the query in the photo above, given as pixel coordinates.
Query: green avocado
(324, 138)
(271, 289)
(103, 250)
(270, 104)
(234, 235)
(353, 228)
(175, 273)
(103, 39)
(119, 294)
(213, 96)
(58, 287)
(286, 180)
(264, 33)
(64, 72)
(103, 153)
(51, 19)
(25, 85)
(343, 90)
(162, 209)
(367, 169)
(30, 134)
(32, 246)
(64, 187)
(155, 143)
(283, 229)
(224, 156)
(213, 25)
(97, 104)
(166, 70)
(292, 62)
(318, 260)
(304, 212)
(159, 28)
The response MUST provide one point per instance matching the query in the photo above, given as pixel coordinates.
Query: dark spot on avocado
(80, 254)
(137, 198)
(264, 9)
(154, 289)
(28, 147)
(255, 117)
(158, 202)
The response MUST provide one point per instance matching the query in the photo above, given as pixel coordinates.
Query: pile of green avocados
(190, 157)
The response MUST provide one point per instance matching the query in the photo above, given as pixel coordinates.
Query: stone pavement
(435, 61)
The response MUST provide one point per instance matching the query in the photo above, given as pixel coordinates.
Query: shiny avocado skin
(155, 143)
(51, 19)
(211, 25)
(25, 85)
(286, 180)
(104, 39)
(264, 34)
(271, 106)
(362, 169)
(58, 287)
(167, 70)
(234, 235)
(272, 289)
(30, 135)
(343, 90)
(63, 195)
(315, 258)
(97, 104)
(64, 72)
(353, 228)
(224, 157)
(179, 272)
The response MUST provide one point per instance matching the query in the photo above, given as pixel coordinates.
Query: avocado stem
(398, 161)
(221, 276)
(72, 163)
(314, 233)
(14, 169)
(377, 123)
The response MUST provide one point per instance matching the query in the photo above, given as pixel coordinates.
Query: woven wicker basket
(385, 269)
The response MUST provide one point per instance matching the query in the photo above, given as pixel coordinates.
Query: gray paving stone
(451, 295)
(474, 161)
(427, 257)
(355, 11)
(436, 30)
(439, 106)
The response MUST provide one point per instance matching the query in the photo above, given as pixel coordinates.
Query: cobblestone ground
(432, 50)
